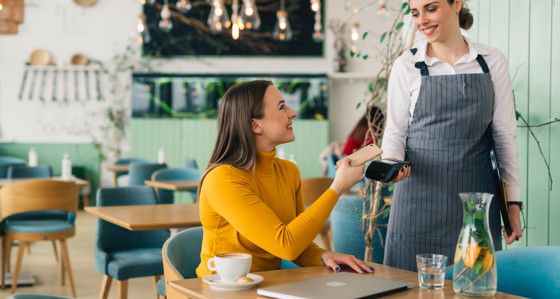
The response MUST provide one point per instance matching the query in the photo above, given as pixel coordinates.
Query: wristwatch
(517, 203)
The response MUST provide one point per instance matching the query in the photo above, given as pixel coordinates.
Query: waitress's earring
(260, 134)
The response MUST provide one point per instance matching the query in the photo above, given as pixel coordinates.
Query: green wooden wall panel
(499, 35)
(472, 33)
(554, 236)
(518, 57)
(539, 111)
(195, 139)
(483, 17)
(82, 154)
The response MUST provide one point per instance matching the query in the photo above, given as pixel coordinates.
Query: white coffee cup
(231, 266)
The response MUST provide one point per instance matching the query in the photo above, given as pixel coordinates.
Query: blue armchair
(181, 257)
(127, 161)
(22, 171)
(7, 162)
(166, 196)
(140, 172)
(122, 254)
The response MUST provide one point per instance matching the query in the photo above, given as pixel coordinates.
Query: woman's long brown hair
(235, 143)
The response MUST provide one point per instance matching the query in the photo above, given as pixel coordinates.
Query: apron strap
(483, 64)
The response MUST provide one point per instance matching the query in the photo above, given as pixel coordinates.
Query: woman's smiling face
(436, 19)
(276, 125)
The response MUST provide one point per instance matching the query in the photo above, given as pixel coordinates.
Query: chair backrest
(313, 188)
(35, 296)
(41, 171)
(190, 163)
(166, 196)
(181, 255)
(127, 161)
(36, 195)
(529, 271)
(111, 237)
(139, 172)
(7, 162)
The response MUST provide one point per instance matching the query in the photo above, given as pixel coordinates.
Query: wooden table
(117, 168)
(81, 183)
(175, 185)
(149, 217)
(197, 289)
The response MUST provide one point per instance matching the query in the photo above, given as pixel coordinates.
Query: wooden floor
(46, 270)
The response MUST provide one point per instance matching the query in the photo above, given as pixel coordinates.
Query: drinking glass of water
(431, 270)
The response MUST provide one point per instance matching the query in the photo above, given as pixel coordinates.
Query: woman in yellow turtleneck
(251, 201)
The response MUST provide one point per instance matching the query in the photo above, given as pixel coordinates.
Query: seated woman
(251, 201)
(359, 136)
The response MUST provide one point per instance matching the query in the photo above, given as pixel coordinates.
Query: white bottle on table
(32, 157)
(66, 167)
(281, 153)
(161, 156)
(293, 159)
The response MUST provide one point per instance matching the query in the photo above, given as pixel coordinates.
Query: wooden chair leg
(122, 286)
(105, 287)
(8, 253)
(67, 267)
(55, 250)
(155, 280)
(85, 199)
(21, 249)
(3, 257)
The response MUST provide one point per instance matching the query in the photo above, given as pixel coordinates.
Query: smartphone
(363, 155)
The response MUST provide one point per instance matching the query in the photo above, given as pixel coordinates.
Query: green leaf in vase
(479, 265)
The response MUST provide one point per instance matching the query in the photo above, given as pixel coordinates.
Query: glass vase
(474, 270)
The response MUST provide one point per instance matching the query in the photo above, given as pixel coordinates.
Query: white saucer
(215, 282)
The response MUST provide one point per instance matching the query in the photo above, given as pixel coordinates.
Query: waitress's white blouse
(404, 85)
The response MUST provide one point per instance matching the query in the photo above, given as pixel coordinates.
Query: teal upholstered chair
(530, 272)
(190, 163)
(181, 257)
(166, 196)
(35, 296)
(23, 171)
(140, 172)
(346, 234)
(331, 163)
(7, 162)
(122, 254)
(122, 177)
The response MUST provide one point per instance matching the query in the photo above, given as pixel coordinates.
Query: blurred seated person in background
(360, 137)
(251, 201)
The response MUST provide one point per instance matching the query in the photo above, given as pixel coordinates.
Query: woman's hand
(335, 260)
(515, 221)
(346, 176)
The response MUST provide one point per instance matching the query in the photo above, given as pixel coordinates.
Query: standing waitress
(448, 99)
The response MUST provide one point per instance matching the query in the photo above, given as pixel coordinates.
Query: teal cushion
(124, 264)
(160, 287)
(36, 226)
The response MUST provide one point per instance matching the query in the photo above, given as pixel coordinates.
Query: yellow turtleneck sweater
(261, 214)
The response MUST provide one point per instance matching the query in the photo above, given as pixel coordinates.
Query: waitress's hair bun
(465, 18)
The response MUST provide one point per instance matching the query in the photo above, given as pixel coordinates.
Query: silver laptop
(342, 285)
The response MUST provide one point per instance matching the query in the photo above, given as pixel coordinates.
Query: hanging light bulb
(315, 5)
(142, 2)
(282, 30)
(183, 6)
(317, 35)
(218, 20)
(354, 35)
(383, 9)
(144, 34)
(151, 1)
(235, 20)
(165, 24)
(250, 15)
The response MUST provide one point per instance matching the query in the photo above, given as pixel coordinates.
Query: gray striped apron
(448, 147)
